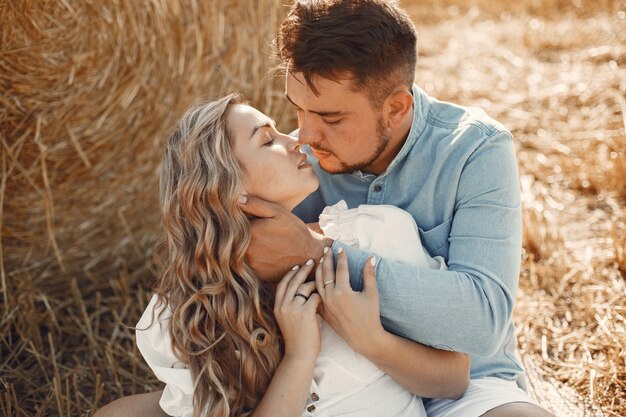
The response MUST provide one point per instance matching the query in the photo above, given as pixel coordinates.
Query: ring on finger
(299, 294)
(329, 282)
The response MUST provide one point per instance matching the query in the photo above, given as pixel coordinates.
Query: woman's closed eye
(269, 141)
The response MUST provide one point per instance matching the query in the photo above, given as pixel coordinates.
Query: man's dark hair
(374, 41)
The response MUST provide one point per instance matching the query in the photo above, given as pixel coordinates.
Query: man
(375, 138)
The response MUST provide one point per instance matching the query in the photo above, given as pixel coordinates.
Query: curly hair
(222, 325)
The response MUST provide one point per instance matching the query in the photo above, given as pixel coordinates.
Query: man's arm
(355, 316)
(469, 307)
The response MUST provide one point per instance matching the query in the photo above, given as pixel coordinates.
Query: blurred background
(89, 88)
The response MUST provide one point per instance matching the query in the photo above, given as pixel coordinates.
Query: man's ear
(397, 106)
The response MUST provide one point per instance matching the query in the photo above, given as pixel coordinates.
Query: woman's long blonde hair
(222, 325)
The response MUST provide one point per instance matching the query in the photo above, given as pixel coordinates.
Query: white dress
(344, 382)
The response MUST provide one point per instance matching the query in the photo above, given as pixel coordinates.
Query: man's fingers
(258, 207)
(369, 277)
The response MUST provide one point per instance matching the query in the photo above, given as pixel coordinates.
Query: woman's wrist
(300, 359)
(377, 346)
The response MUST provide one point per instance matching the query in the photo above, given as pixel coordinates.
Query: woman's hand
(355, 316)
(420, 369)
(295, 309)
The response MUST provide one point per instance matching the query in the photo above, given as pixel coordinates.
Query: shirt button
(378, 187)
(315, 397)
(310, 408)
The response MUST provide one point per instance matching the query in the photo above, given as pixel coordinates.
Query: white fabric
(482, 395)
(387, 231)
(155, 344)
(344, 382)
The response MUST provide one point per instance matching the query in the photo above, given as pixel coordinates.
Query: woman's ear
(397, 106)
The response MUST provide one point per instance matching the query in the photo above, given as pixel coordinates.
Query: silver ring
(328, 282)
(299, 294)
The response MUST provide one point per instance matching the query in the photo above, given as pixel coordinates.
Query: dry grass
(555, 73)
(86, 88)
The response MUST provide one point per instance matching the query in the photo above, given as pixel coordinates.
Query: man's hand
(279, 240)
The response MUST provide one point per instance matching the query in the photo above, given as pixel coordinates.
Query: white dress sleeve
(387, 231)
(155, 344)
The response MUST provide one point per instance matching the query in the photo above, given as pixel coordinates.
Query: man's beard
(384, 138)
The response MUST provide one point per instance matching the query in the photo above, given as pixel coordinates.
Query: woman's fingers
(304, 291)
(342, 276)
(319, 281)
(282, 285)
(314, 302)
(325, 273)
(328, 270)
(298, 279)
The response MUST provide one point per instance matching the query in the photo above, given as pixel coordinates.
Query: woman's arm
(140, 405)
(287, 393)
(422, 370)
(297, 317)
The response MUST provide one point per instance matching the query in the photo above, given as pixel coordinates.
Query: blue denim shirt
(457, 176)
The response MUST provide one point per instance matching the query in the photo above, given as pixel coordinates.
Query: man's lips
(318, 153)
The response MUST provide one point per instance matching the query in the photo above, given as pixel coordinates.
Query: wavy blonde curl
(222, 325)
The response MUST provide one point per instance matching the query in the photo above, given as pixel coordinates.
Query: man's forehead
(340, 80)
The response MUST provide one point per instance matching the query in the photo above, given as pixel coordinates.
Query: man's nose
(292, 144)
(309, 130)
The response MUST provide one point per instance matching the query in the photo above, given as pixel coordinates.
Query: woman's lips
(303, 163)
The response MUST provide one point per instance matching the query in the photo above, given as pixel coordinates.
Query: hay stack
(87, 90)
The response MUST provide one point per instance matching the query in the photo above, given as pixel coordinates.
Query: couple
(414, 171)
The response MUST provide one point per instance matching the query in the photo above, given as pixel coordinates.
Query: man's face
(343, 130)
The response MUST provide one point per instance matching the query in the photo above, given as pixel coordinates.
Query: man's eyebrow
(320, 113)
(260, 125)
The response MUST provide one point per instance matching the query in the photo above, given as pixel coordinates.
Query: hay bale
(87, 91)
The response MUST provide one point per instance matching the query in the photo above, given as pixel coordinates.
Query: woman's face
(275, 168)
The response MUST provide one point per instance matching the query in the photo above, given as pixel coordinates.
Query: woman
(210, 331)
